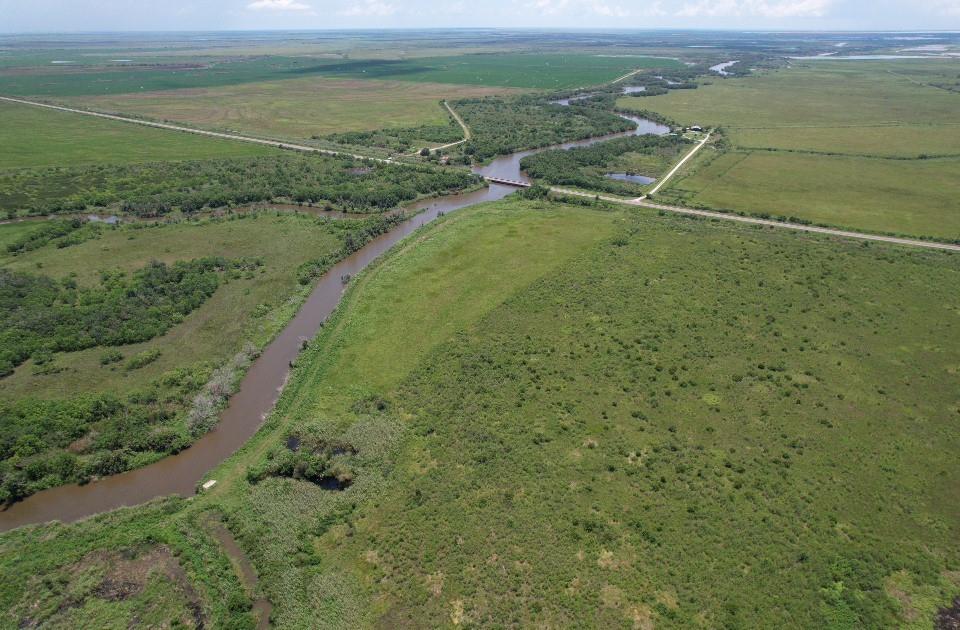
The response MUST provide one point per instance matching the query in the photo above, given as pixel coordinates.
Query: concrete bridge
(508, 182)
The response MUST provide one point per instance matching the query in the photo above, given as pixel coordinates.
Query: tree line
(155, 189)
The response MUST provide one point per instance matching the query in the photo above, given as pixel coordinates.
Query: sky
(121, 15)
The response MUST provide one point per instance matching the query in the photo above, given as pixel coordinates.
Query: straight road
(678, 166)
(800, 227)
(642, 202)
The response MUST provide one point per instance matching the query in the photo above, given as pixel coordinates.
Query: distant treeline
(155, 189)
(583, 166)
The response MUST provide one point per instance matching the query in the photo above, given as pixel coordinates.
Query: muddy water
(508, 166)
(261, 606)
(260, 388)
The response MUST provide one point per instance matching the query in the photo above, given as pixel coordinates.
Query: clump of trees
(309, 458)
(501, 126)
(401, 139)
(353, 235)
(40, 315)
(584, 167)
(60, 233)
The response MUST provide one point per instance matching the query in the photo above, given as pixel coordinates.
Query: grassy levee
(855, 144)
(619, 440)
(296, 108)
(34, 136)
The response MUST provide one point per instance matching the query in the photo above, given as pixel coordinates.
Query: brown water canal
(261, 386)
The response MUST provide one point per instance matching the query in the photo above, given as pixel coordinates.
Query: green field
(843, 143)
(916, 197)
(147, 388)
(530, 70)
(297, 108)
(508, 377)
(519, 70)
(33, 136)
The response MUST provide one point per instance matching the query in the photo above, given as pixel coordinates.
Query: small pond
(630, 177)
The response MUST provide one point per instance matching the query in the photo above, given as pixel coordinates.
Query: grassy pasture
(623, 408)
(915, 197)
(523, 70)
(561, 374)
(297, 108)
(32, 136)
(519, 70)
(811, 94)
(874, 123)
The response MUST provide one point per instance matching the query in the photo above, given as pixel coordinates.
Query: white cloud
(589, 7)
(278, 5)
(763, 8)
(369, 8)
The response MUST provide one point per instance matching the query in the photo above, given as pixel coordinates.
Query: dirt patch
(116, 576)
(948, 618)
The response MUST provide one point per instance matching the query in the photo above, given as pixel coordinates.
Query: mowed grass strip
(34, 136)
(297, 108)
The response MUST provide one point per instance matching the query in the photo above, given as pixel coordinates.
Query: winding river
(261, 386)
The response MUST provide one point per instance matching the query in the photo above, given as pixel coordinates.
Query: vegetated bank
(644, 414)
(623, 407)
(589, 167)
(90, 401)
(158, 188)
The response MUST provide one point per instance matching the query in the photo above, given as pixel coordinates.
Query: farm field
(879, 154)
(33, 136)
(516, 70)
(296, 108)
(520, 70)
(609, 398)
(916, 197)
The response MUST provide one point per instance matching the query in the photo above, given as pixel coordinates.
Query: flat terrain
(33, 136)
(509, 377)
(845, 143)
(519, 70)
(524, 70)
(246, 309)
(297, 108)
(916, 197)
(622, 407)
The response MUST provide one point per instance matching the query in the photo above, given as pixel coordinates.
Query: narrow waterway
(261, 386)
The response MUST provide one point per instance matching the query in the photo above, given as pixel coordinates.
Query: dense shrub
(155, 189)
(40, 315)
